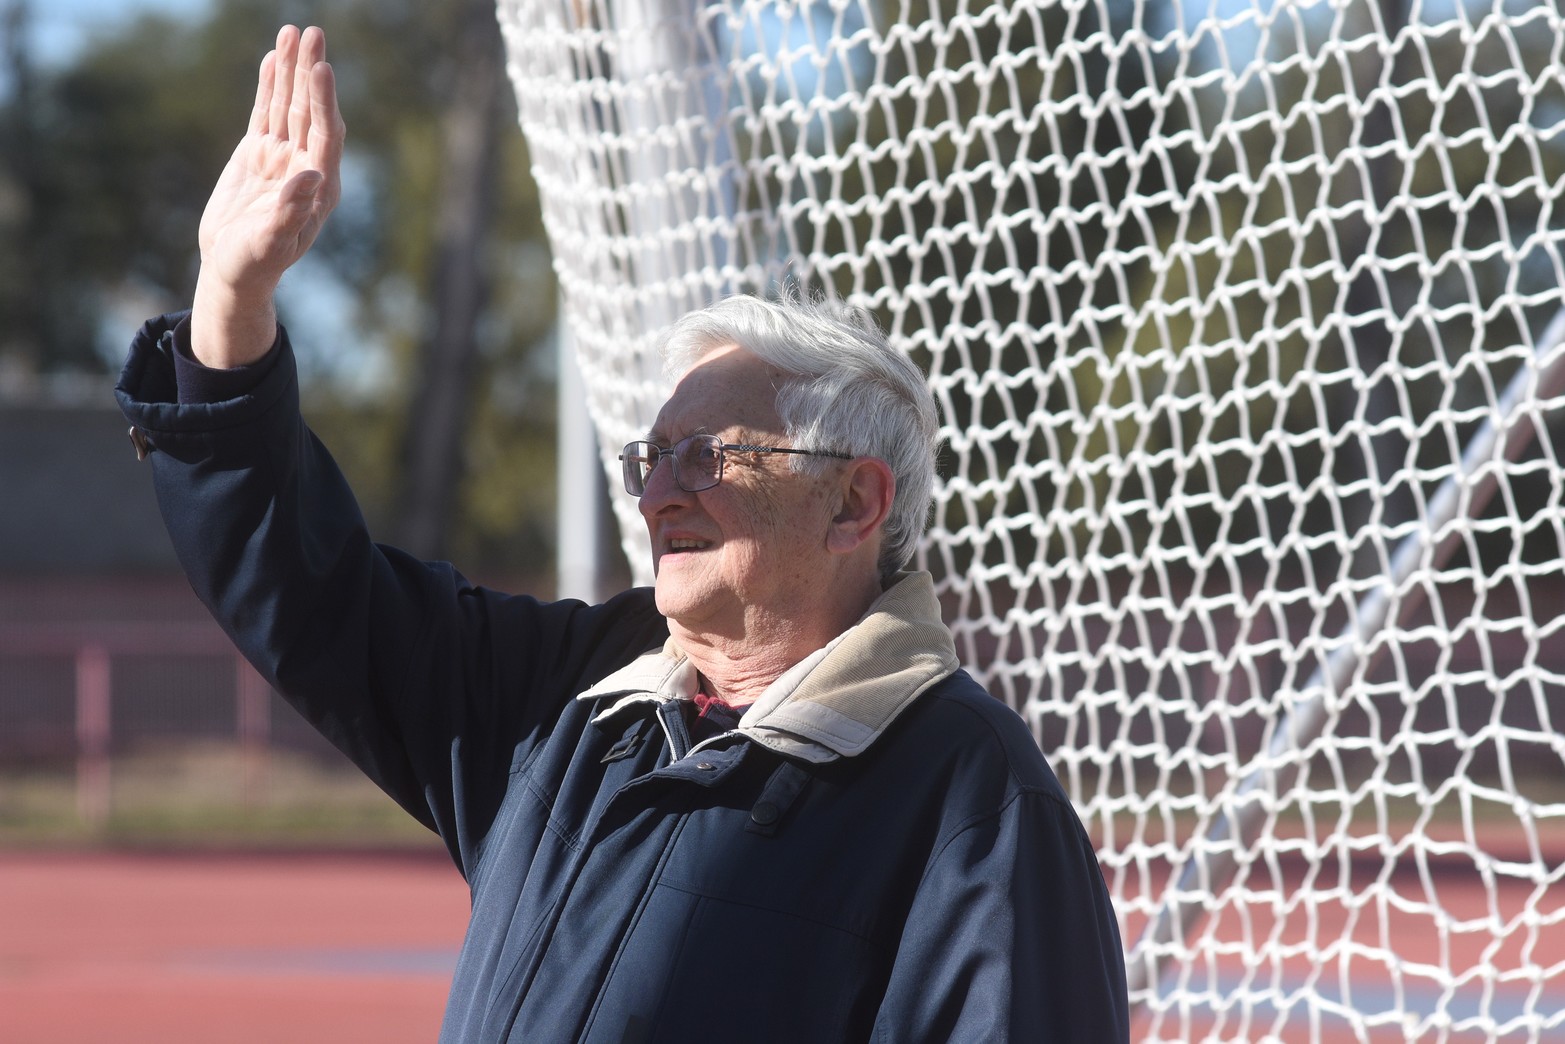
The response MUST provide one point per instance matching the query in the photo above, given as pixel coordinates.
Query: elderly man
(760, 802)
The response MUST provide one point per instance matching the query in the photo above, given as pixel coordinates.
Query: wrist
(230, 328)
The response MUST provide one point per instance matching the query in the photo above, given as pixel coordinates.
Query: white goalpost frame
(1203, 288)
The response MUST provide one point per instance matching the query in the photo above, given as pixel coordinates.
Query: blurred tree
(470, 133)
(436, 261)
(21, 292)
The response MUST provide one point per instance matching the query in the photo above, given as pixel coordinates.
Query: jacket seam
(976, 820)
(1003, 749)
(653, 882)
(571, 839)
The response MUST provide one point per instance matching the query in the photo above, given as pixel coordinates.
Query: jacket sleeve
(434, 687)
(1011, 937)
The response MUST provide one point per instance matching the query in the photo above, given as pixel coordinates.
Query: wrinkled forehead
(728, 388)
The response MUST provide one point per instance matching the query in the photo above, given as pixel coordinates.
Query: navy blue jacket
(935, 885)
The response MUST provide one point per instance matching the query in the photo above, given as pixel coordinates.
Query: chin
(671, 601)
(680, 605)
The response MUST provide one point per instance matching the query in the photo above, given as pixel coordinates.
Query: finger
(282, 92)
(312, 49)
(312, 46)
(326, 127)
(263, 93)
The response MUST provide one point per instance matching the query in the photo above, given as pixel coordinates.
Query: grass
(207, 796)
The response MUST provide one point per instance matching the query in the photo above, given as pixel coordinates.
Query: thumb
(300, 192)
(297, 216)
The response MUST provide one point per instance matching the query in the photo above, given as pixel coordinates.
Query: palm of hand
(282, 180)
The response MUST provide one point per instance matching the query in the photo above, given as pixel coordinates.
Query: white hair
(849, 392)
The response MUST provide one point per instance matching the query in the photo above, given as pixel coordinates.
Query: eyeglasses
(697, 459)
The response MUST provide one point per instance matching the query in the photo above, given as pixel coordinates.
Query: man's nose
(660, 487)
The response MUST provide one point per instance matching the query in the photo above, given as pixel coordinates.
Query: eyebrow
(658, 438)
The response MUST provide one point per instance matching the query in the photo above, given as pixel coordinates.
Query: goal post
(1242, 317)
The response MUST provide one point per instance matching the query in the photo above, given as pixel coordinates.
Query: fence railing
(90, 691)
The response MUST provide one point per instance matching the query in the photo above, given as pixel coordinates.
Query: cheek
(773, 524)
(787, 528)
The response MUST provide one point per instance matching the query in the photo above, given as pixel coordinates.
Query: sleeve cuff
(198, 383)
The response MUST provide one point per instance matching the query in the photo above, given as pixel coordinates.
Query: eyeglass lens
(697, 461)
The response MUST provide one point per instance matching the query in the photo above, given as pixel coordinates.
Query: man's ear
(864, 500)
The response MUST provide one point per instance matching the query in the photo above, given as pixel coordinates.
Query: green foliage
(106, 164)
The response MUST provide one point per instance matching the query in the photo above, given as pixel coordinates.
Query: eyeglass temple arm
(746, 448)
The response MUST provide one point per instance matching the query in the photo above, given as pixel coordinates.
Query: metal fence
(81, 695)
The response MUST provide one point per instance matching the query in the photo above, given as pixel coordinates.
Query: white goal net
(1241, 314)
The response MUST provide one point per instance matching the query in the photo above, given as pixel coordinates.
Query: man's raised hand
(271, 201)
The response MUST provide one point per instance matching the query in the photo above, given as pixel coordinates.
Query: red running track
(230, 949)
(121, 948)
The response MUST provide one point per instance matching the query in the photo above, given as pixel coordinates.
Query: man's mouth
(683, 544)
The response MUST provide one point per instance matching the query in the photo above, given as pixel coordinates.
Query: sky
(62, 27)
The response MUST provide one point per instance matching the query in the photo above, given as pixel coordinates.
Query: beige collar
(836, 701)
